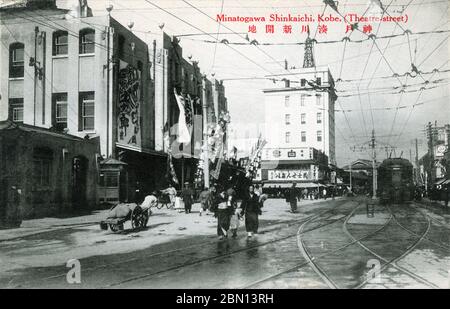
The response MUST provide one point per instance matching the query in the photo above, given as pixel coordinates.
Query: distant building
(299, 112)
(434, 166)
(300, 126)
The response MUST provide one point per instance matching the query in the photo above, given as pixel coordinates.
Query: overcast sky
(361, 60)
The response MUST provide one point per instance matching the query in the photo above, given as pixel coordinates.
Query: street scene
(221, 144)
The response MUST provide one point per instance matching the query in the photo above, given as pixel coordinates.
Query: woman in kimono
(251, 207)
(223, 214)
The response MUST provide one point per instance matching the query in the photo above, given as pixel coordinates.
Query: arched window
(16, 60)
(87, 41)
(60, 43)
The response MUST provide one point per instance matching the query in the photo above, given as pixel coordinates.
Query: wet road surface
(327, 246)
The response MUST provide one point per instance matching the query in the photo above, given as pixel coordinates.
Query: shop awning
(308, 185)
(277, 185)
(288, 185)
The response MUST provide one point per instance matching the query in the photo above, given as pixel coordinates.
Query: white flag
(184, 134)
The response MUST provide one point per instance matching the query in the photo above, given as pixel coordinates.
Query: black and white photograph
(227, 145)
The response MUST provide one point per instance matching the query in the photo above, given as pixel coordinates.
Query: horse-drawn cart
(121, 213)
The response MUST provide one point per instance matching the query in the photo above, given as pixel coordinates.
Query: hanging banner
(216, 172)
(185, 119)
(129, 105)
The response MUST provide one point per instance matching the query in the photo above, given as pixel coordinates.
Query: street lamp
(109, 8)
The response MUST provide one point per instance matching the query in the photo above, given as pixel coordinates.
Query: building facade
(90, 77)
(434, 166)
(300, 126)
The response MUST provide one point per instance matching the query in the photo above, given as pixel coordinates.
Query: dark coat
(291, 195)
(187, 195)
(251, 204)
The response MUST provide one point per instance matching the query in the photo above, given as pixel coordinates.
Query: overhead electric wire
(197, 28)
(228, 28)
(217, 38)
(37, 84)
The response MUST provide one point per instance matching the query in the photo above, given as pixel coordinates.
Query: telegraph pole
(351, 188)
(374, 167)
(205, 134)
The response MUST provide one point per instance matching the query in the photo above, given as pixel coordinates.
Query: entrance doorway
(79, 181)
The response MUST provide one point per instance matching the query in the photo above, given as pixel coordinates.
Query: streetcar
(395, 181)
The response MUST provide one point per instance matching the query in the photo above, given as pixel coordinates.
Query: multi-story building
(90, 77)
(80, 75)
(300, 126)
(434, 167)
(300, 112)
(172, 71)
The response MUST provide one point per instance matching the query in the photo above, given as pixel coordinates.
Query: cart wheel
(146, 216)
(137, 217)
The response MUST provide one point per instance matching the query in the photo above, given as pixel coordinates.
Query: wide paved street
(327, 244)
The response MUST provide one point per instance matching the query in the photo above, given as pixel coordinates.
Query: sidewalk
(274, 209)
(37, 226)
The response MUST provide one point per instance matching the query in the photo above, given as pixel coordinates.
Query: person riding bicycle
(171, 193)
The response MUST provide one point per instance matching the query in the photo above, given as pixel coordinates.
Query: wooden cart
(136, 214)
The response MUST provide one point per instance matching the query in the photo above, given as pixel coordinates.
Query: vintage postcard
(224, 144)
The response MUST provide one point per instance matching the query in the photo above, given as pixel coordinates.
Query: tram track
(393, 261)
(311, 260)
(429, 219)
(284, 224)
(289, 236)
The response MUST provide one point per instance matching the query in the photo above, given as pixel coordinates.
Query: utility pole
(417, 162)
(205, 134)
(374, 167)
(351, 189)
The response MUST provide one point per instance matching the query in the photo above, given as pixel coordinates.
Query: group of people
(225, 207)
(293, 195)
(223, 203)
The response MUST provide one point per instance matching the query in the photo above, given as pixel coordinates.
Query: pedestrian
(251, 207)
(258, 190)
(324, 193)
(204, 200)
(223, 213)
(188, 197)
(446, 194)
(137, 193)
(291, 198)
(171, 192)
(234, 212)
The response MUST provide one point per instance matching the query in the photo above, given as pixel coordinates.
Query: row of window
(86, 43)
(60, 47)
(60, 110)
(287, 100)
(302, 136)
(303, 118)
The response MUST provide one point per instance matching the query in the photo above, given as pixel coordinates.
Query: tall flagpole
(205, 134)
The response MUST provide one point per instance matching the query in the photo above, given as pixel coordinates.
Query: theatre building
(78, 77)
